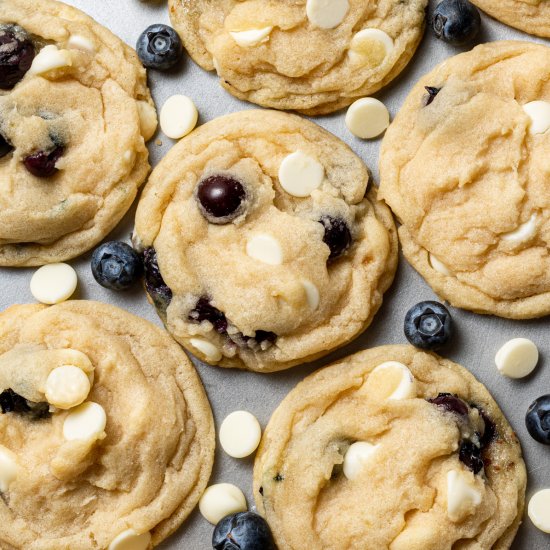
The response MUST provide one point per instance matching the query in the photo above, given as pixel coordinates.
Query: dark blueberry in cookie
(428, 325)
(456, 21)
(470, 455)
(13, 402)
(430, 96)
(42, 164)
(5, 147)
(159, 47)
(265, 336)
(490, 431)
(220, 198)
(450, 403)
(116, 265)
(205, 311)
(537, 420)
(243, 531)
(337, 235)
(154, 283)
(16, 55)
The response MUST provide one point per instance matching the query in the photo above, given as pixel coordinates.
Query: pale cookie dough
(130, 462)
(313, 56)
(257, 289)
(86, 92)
(464, 166)
(342, 465)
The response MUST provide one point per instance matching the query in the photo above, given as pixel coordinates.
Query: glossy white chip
(208, 349)
(524, 232)
(130, 540)
(252, 37)
(438, 265)
(539, 510)
(367, 118)
(87, 421)
(8, 468)
(395, 380)
(357, 455)
(54, 283)
(300, 174)
(265, 248)
(240, 434)
(221, 500)
(539, 113)
(50, 58)
(67, 386)
(312, 294)
(79, 42)
(366, 41)
(462, 496)
(178, 116)
(326, 14)
(148, 121)
(517, 358)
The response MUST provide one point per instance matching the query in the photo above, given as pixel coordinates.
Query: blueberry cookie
(312, 56)
(106, 434)
(75, 112)
(391, 448)
(262, 246)
(464, 166)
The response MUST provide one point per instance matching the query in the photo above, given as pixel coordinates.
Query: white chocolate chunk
(130, 540)
(240, 434)
(208, 349)
(87, 421)
(8, 468)
(78, 42)
(462, 496)
(300, 174)
(54, 283)
(67, 386)
(439, 265)
(265, 248)
(252, 37)
(517, 358)
(148, 121)
(393, 380)
(539, 113)
(178, 116)
(525, 231)
(221, 500)
(370, 47)
(312, 294)
(367, 118)
(50, 58)
(539, 510)
(326, 14)
(357, 455)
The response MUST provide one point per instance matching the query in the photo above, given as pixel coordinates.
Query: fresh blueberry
(470, 455)
(337, 235)
(450, 403)
(159, 291)
(16, 55)
(428, 325)
(116, 265)
(205, 311)
(159, 47)
(456, 21)
(5, 146)
(42, 164)
(243, 531)
(537, 419)
(220, 198)
(431, 95)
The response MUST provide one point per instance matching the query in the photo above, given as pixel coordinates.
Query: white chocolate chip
(178, 116)
(67, 386)
(539, 113)
(87, 421)
(357, 455)
(240, 434)
(439, 265)
(327, 14)
(252, 37)
(525, 231)
(53, 283)
(208, 349)
(300, 174)
(148, 121)
(312, 293)
(8, 468)
(367, 118)
(221, 500)
(539, 510)
(50, 58)
(265, 248)
(78, 42)
(370, 47)
(462, 496)
(517, 358)
(393, 380)
(130, 540)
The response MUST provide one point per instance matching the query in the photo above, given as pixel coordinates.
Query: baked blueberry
(116, 265)
(42, 164)
(450, 403)
(154, 283)
(5, 147)
(220, 198)
(456, 21)
(337, 235)
(537, 419)
(16, 55)
(11, 401)
(490, 431)
(243, 531)
(470, 455)
(205, 311)
(159, 47)
(428, 325)
(431, 95)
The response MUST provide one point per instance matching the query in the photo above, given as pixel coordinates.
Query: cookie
(75, 112)
(464, 168)
(394, 448)
(311, 56)
(262, 249)
(106, 434)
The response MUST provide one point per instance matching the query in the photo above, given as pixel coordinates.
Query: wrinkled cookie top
(392, 448)
(313, 56)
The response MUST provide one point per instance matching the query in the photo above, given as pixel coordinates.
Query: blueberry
(220, 198)
(490, 429)
(11, 401)
(431, 95)
(159, 291)
(243, 531)
(428, 325)
(159, 47)
(116, 265)
(450, 403)
(456, 21)
(537, 419)
(5, 146)
(16, 55)
(42, 164)
(205, 311)
(337, 235)
(470, 455)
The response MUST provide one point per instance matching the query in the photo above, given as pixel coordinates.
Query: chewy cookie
(312, 56)
(75, 112)
(464, 166)
(262, 249)
(106, 434)
(390, 448)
